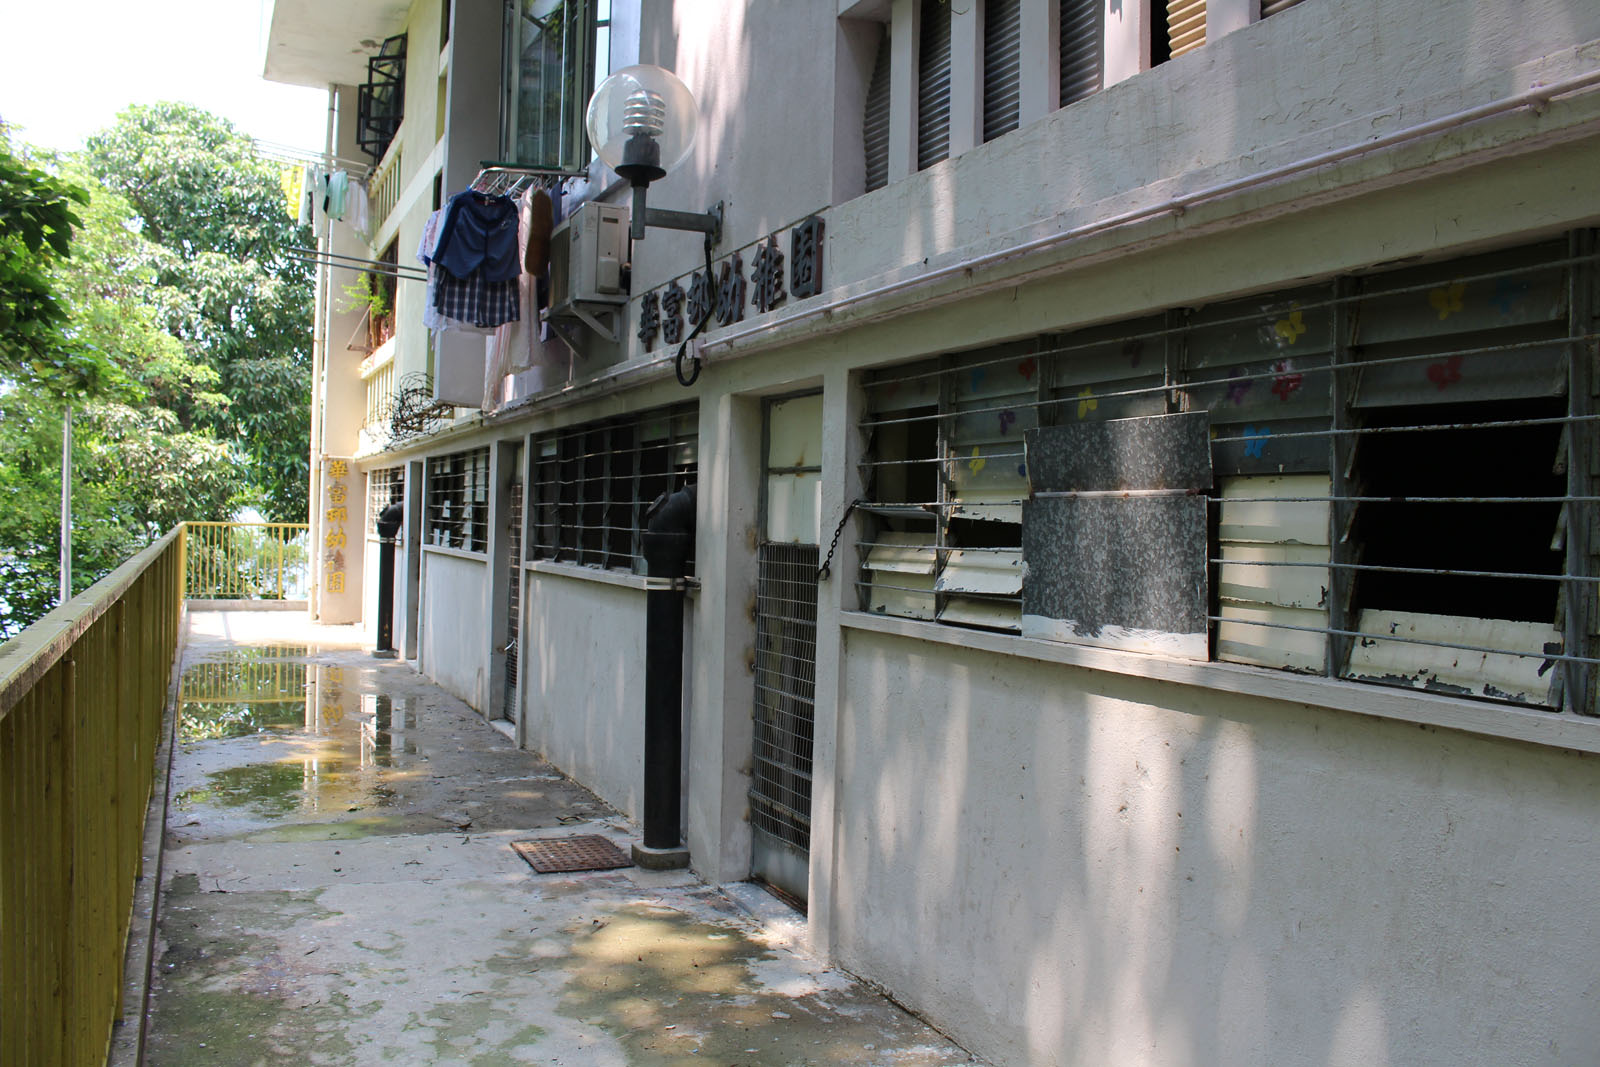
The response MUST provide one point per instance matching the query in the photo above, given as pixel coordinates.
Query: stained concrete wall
(455, 623)
(1118, 870)
(582, 674)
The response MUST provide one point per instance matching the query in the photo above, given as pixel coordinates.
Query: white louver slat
(1272, 7)
(875, 121)
(1186, 25)
(1082, 49)
(933, 85)
(1002, 67)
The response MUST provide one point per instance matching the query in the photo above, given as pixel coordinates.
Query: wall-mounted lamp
(642, 122)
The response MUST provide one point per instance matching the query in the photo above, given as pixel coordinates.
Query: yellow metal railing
(248, 561)
(81, 698)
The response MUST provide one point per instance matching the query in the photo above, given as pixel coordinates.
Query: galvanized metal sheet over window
(786, 651)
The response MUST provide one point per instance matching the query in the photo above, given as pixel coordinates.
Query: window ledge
(459, 553)
(595, 574)
(1557, 729)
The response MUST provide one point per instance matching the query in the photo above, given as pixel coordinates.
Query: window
(1083, 47)
(875, 120)
(933, 84)
(385, 485)
(458, 501)
(1002, 67)
(1272, 7)
(380, 103)
(549, 73)
(1395, 473)
(1186, 26)
(592, 483)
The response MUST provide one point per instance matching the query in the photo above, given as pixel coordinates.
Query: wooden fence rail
(82, 693)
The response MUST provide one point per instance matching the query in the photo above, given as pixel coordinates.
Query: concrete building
(1205, 672)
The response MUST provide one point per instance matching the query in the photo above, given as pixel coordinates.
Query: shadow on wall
(1130, 872)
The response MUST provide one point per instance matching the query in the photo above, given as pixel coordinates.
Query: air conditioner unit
(587, 252)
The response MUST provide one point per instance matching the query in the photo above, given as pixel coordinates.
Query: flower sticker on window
(977, 462)
(1239, 386)
(1255, 441)
(1287, 381)
(1086, 401)
(1448, 299)
(1445, 373)
(1290, 329)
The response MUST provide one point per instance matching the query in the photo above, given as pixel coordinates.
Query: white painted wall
(1066, 867)
(582, 674)
(455, 623)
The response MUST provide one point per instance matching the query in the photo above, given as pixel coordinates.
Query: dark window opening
(1497, 462)
(1160, 35)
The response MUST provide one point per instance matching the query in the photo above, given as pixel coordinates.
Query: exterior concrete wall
(455, 623)
(582, 674)
(1134, 872)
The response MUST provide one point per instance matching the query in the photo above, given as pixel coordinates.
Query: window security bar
(1559, 657)
(1279, 305)
(1300, 367)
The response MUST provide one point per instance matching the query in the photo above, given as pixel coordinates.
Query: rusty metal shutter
(1083, 45)
(875, 122)
(933, 85)
(1002, 67)
(1272, 7)
(1186, 25)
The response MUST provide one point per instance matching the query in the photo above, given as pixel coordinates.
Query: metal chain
(826, 568)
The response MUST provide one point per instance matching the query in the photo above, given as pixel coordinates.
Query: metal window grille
(380, 101)
(933, 85)
(1002, 67)
(1083, 46)
(458, 501)
(1403, 468)
(513, 600)
(786, 652)
(875, 120)
(592, 483)
(384, 485)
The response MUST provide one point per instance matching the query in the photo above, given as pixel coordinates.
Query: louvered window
(458, 501)
(1397, 472)
(1002, 67)
(1082, 49)
(875, 122)
(933, 85)
(1186, 25)
(1272, 7)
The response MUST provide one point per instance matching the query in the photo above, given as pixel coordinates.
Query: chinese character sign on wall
(339, 551)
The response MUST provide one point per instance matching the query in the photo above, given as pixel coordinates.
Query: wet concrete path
(339, 888)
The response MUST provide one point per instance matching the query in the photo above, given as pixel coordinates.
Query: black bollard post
(667, 544)
(389, 520)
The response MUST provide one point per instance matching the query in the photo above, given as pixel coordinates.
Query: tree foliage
(145, 285)
(225, 284)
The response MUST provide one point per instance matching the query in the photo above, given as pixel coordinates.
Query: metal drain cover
(582, 852)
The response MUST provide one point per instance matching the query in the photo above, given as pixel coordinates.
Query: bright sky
(68, 66)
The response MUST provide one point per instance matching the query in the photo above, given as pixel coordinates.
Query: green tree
(212, 214)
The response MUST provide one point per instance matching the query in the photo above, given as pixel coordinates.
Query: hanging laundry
(292, 181)
(308, 188)
(359, 215)
(484, 305)
(479, 234)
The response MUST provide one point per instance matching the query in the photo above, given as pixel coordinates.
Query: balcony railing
(82, 692)
(248, 561)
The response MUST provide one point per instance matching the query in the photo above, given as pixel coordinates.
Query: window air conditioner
(587, 252)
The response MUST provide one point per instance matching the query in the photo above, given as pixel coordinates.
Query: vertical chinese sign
(343, 537)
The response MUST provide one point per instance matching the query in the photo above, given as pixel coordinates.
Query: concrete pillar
(1127, 39)
(843, 448)
(905, 30)
(1041, 58)
(719, 717)
(966, 77)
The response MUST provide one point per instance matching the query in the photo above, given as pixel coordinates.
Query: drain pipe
(668, 539)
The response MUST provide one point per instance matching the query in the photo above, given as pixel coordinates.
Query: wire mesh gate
(786, 657)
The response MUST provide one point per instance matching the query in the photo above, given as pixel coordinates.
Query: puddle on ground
(346, 746)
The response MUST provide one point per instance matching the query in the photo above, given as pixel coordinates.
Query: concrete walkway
(339, 888)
